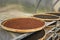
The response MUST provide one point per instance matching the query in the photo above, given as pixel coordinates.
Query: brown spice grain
(23, 23)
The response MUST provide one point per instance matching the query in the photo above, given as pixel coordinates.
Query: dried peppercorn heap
(24, 24)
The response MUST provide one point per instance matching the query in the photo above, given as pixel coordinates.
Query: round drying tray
(46, 17)
(54, 13)
(23, 30)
